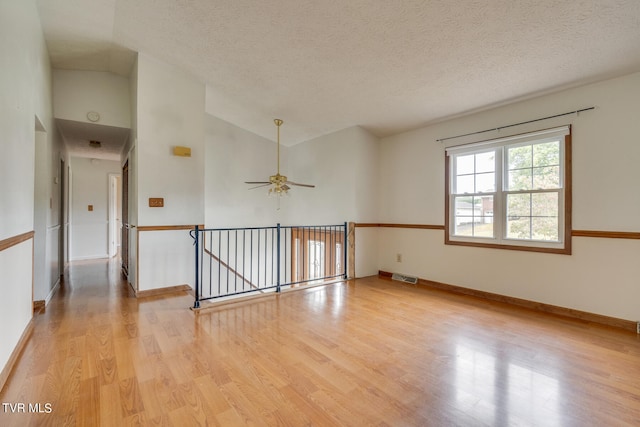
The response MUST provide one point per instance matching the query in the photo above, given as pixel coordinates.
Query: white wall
(601, 275)
(166, 259)
(48, 221)
(90, 186)
(367, 242)
(170, 112)
(40, 211)
(78, 92)
(25, 84)
(233, 156)
(343, 166)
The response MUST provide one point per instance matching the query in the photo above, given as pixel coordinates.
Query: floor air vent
(403, 278)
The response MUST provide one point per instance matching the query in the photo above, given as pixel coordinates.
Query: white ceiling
(388, 66)
(77, 136)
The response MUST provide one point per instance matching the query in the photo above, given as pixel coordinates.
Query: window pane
(464, 216)
(518, 205)
(464, 184)
(544, 229)
(315, 253)
(465, 227)
(486, 206)
(483, 230)
(485, 182)
(486, 162)
(474, 216)
(519, 157)
(547, 154)
(519, 179)
(546, 177)
(464, 164)
(464, 206)
(544, 205)
(519, 228)
(483, 216)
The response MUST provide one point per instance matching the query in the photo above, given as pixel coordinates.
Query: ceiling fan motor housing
(278, 179)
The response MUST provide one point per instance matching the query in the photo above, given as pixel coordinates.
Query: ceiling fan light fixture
(278, 184)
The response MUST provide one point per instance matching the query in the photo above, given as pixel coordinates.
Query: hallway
(364, 352)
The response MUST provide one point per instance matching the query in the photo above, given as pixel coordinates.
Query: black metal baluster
(219, 255)
(209, 258)
(235, 261)
(196, 303)
(244, 244)
(285, 255)
(278, 262)
(344, 252)
(325, 247)
(334, 251)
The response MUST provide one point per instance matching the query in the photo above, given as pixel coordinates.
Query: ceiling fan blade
(301, 185)
(262, 184)
(257, 182)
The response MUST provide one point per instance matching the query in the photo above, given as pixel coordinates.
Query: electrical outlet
(398, 257)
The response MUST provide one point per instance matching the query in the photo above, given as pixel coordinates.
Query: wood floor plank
(110, 405)
(365, 352)
(88, 410)
(212, 394)
(130, 400)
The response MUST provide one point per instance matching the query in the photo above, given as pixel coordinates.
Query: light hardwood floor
(366, 352)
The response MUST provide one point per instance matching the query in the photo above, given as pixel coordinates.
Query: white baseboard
(84, 258)
(52, 293)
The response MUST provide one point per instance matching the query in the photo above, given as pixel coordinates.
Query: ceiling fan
(280, 184)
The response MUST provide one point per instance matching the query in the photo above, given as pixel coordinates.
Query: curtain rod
(516, 124)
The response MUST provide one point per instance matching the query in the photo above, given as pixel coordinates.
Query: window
(511, 193)
(313, 250)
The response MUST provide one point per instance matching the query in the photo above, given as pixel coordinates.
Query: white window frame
(500, 239)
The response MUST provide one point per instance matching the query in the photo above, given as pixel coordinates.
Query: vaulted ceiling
(388, 66)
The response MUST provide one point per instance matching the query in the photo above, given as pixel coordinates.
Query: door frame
(124, 241)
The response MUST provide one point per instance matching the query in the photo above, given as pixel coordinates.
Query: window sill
(566, 250)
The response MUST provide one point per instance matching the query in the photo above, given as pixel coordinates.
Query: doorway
(115, 214)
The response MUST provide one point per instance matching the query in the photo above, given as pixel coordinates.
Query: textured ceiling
(78, 134)
(388, 66)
